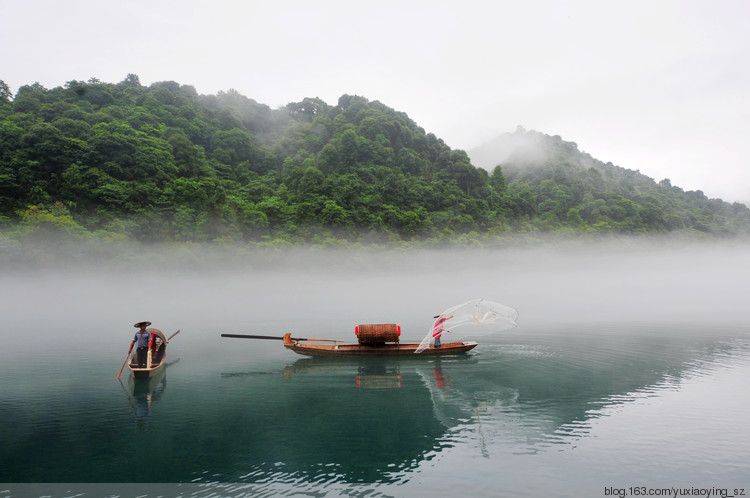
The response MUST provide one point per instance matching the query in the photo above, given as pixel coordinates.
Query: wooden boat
(156, 356)
(374, 340)
(387, 349)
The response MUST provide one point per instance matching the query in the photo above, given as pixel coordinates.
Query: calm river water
(628, 373)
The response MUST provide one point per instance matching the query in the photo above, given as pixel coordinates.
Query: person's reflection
(142, 411)
(440, 379)
(142, 395)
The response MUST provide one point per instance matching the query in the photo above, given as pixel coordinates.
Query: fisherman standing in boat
(144, 340)
(437, 328)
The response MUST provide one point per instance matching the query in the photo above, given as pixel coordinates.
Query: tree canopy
(163, 163)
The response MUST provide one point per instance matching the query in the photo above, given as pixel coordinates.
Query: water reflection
(336, 419)
(379, 377)
(541, 392)
(372, 373)
(373, 419)
(269, 417)
(142, 394)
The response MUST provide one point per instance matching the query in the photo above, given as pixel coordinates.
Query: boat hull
(342, 350)
(145, 373)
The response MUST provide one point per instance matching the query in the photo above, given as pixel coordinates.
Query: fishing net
(476, 318)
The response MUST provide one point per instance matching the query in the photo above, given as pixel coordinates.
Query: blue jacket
(142, 339)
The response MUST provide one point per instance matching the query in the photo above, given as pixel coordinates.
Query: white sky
(657, 86)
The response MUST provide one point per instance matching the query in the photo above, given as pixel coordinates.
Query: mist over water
(623, 349)
(550, 285)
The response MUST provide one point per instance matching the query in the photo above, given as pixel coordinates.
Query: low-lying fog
(326, 293)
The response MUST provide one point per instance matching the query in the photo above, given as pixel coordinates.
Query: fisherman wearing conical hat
(145, 340)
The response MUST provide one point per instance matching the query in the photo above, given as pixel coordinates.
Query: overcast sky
(657, 86)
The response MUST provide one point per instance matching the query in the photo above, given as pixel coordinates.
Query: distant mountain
(570, 185)
(523, 153)
(529, 149)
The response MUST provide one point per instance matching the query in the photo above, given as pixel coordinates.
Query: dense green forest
(99, 161)
(569, 188)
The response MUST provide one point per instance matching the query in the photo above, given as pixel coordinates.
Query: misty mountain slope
(530, 149)
(571, 185)
(101, 162)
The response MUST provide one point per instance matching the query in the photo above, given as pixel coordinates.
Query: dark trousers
(140, 356)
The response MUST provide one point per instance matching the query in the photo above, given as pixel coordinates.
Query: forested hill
(573, 188)
(95, 160)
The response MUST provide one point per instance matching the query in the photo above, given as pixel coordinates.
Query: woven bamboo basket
(378, 333)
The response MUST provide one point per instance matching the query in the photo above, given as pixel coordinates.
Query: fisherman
(437, 328)
(145, 341)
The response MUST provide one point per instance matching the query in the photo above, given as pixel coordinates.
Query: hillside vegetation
(161, 163)
(571, 188)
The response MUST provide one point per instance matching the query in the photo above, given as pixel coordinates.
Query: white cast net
(475, 318)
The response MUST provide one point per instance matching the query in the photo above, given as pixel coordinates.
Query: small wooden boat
(156, 356)
(374, 340)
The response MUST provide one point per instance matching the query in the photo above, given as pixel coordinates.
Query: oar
(124, 362)
(244, 336)
(168, 338)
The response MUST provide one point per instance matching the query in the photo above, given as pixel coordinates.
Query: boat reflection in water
(375, 419)
(379, 377)
(342, 419)
(380, 373)
(431, 380)
(143, 393)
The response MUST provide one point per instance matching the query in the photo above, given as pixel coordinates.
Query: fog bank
(553, 286)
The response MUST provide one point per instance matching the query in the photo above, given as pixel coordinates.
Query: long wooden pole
(245, 336)
(124, 362)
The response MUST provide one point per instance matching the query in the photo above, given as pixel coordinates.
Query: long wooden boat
(387, 349)
(337, 349)
(156, 358)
